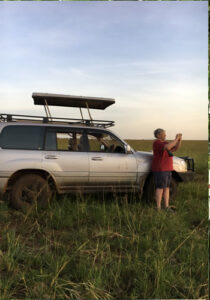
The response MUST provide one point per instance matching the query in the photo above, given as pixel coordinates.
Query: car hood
(144, 157)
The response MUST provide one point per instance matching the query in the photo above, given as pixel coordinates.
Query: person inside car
(73, 142)
(100, 140)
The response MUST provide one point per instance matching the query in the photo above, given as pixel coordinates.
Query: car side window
(65, 140)
(104, 142)
(22, 137)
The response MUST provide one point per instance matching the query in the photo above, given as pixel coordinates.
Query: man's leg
(166, 192)
(158, 197)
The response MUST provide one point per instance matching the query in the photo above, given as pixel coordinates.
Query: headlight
(179, 164)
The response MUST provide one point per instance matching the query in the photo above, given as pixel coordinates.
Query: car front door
(109, 165)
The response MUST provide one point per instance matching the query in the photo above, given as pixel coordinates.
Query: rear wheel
(149, 190)
(30, 189)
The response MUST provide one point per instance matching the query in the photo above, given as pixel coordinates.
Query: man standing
(162, 165)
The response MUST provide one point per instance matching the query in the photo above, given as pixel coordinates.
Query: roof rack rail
(53, 120)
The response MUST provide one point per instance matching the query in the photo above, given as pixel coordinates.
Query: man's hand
(177, 141)
(178, 136)
(175, 144)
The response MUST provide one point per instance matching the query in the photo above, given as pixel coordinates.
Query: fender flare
(46, 175)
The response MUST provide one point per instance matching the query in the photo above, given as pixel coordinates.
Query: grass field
(106, 247)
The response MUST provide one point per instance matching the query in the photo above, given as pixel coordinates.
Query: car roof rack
(47, 100)
(70, 121)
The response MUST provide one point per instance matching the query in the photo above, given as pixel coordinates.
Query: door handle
(51, 156)
(97, 158)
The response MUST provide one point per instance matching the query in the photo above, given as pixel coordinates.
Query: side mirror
(128, 149)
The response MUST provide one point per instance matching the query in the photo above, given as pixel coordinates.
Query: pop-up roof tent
(47, 100)
(72, 101)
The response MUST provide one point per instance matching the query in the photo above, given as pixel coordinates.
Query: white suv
(39, 155)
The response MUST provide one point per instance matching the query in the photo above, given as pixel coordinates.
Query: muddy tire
(28, 190)
(149, 190)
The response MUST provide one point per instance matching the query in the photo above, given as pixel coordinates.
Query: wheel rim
(31, 193)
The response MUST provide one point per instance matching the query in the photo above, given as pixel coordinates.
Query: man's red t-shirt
(161, 159)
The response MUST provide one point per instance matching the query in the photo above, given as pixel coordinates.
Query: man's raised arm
(175, 144)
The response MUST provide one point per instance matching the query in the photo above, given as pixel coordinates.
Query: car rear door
(65, 158)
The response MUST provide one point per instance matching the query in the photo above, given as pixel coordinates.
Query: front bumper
(189, 175)
(190, 163)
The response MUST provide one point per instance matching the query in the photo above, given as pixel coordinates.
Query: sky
(151, 57)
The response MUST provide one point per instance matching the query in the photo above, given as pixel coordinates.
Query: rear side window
(22, 137)
(66, 139)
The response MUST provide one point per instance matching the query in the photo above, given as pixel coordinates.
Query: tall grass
(108, 246)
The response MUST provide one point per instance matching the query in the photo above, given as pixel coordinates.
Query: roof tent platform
(72, 101)
(47, 100)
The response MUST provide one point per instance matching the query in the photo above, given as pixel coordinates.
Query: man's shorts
(162, 179)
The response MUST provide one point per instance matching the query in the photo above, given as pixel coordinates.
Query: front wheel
(149, 189)
(28, 190)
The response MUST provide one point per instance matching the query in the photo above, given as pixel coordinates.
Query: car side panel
(112, 169)
(68, 168)
(12, 161)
